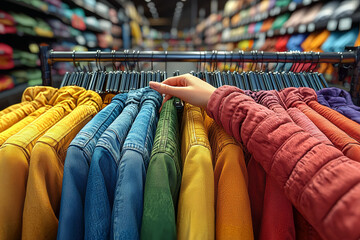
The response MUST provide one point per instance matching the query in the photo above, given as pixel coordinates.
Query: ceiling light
(179, 4)
(147, 0)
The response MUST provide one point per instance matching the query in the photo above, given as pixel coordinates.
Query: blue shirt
(135, 156)
(76, 168)
(102, 175)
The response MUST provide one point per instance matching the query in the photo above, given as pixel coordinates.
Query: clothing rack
(348, 60)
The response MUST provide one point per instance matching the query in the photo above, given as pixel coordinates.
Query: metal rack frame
(348, 60)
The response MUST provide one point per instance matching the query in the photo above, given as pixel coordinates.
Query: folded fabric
(339, 100)
(346, 8)
(294, 43)
(280, 21)
(6, 19)
(6, 82)
(6, 56)
(326, 11)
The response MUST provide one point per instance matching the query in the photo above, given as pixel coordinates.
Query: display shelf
(88, 10)
(12, 96)
(341, 24)
(252, 3)
(274, 12)
(15, 5)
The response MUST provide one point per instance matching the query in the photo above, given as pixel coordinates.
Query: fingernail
(154, 85)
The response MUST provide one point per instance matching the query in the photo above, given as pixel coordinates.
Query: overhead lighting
(179, 4)
(147, 0)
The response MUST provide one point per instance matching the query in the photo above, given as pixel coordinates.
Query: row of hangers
(113, 81)
(117, 81)
(256, 81)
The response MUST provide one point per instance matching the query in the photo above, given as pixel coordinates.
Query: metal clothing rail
(349, 61)
(202, 56)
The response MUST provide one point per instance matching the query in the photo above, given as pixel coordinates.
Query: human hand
(186, 87)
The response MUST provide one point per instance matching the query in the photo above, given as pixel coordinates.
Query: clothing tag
(311, 27)
(292, 6)
(282, 31)
(302, 28)
(270, 33)
(332, 25)
(290, 30)
(345, 24)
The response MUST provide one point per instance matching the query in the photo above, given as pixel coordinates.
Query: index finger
(179, 81)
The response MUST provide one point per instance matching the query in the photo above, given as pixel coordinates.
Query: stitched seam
(282, 145)
(257, 126)
(292, 170)
(343, 195)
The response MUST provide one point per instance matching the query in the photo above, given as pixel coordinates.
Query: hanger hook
(166, 68)
(262, 61)
(277, 61)
(304, 63)
(74, 63)
(197, 64)
(98, 59)
(243, 60)
(138, 60)
(152, 59)
(113, 59)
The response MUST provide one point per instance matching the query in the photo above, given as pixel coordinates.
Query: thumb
(163, 88)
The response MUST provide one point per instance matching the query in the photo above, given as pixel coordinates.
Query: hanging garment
(43, 190)
(102, 176)
(275, 203)
(196, 209)
(163, 178)
(293, 97)
(135, 156)
(4, 135)
(15, 157)
(256, 189)
(271, 100)
(13, 107)
(317, 178)
(339, 100)
(32, 99)
(233, 212)
(76, 169)
(342, 122)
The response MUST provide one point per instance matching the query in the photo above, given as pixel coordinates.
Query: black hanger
(207, 77)
(224, 80)
(323, 80)
(219, 83)
(123, 80)
(142, 79)
(246, 80)
(238, 83)
(86, 80)
(148, 78)
(65, 80)
(230, 78)
(116, 86)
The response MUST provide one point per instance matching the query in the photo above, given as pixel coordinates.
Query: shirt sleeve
(322, 183)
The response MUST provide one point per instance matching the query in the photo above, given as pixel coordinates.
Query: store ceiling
(166, 9)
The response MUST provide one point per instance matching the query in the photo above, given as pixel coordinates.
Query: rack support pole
(45, 66)
(355, 78)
